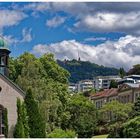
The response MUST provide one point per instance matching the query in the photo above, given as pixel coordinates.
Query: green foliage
(122, 72)
(81, 70)
(131, 129)
(136, 108)
(25, 120)
(19, 131)
(48, 82)
(59, 133)
(115, 111)
(134, 70)
(35, 121)
(89, 92)
(113, 84)
(6, 122)
(80, 108)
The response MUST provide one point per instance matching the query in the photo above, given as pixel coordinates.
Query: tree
(19, 128)
(135, 70)
(115, 111)
(114, 114)
(59, 133)
(80, 109)
(113, 84)
(122, 72)
(131, 129)
(5, 122)
(35, 121)
(25, 120)
(136, 108)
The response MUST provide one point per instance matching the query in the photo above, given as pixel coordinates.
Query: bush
(131, 129)
(59, 133)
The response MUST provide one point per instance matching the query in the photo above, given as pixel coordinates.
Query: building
(73, 87)
(103, 82)
(126, 93)
(129, 79)
(9, 92)
(85, 85)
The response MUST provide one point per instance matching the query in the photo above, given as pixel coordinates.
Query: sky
(104, 33)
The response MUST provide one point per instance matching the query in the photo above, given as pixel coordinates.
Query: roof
(3, 43)
(13, 84)
(133, 85)
(106, 93)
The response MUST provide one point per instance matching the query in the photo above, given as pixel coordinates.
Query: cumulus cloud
(122, 53)
(94, 16)
(10, 18)
(111, 22)
(55, 21)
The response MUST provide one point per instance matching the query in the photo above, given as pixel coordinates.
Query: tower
(4, 56)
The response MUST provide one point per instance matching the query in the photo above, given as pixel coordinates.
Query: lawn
(101, 136)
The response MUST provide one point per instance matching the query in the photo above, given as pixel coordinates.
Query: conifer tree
(19, 128)
(6, 123)
(25, 120)
(35, 120)
(136, 108)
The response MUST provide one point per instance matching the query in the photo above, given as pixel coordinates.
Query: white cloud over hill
(122, 53)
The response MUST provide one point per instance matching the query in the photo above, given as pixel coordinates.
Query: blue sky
(100, 32)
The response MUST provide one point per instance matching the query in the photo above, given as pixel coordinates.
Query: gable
(124, 87)
(8, 82)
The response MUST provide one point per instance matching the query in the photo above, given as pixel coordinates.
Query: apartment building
(103, 82)
(128, 92)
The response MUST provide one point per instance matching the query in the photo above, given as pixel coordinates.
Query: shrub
(59, 133)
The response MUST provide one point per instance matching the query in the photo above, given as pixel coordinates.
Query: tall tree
(36, 122)
(80, 109)
(6, 122)
(113, 84)
(136, 108)
(135, 69)
(19, 128)
(122, 72)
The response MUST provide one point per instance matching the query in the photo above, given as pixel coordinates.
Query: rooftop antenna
(78, 54)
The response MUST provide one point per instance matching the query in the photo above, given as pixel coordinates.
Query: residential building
(103, 82)
(129, 79)
(126, 93)
(85, 85)
(73, 87)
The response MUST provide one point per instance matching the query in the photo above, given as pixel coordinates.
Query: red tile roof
(105, 93)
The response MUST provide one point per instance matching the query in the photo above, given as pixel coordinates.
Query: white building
(103, 82)
(85, 85)
(130, 79)
(73, 87)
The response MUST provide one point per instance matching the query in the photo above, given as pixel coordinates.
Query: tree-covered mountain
(81, 70)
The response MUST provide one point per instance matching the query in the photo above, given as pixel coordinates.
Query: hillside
(81, 70)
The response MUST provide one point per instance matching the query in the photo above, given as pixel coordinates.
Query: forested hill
(81, 70)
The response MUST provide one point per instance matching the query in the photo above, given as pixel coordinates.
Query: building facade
(103, 82)
(126, 93)
(9, 92)
(85, 85)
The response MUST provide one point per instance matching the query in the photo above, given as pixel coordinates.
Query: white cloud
(56, 21)
(26, 37)
(10, 18)
(26, 33)
(95, 39)
(110, 22)
(122, 53)
(41, 7)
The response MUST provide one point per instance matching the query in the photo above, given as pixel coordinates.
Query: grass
(101, 136)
